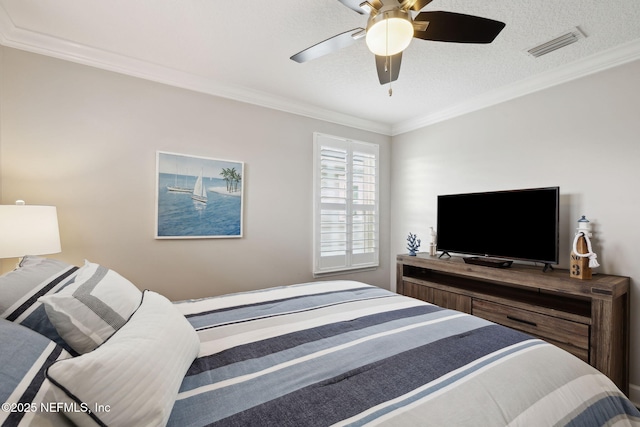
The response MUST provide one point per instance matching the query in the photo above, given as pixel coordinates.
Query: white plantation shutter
(346, 221)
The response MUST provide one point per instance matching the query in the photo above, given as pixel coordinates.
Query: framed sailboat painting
(198, 197)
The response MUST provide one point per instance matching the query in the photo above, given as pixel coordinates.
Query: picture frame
(198, 197)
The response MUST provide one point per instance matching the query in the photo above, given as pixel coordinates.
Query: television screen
(516, 224)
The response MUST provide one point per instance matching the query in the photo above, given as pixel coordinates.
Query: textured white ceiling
(243, 52)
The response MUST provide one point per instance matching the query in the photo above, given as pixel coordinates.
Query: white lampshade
(389, 33)
(28, 230)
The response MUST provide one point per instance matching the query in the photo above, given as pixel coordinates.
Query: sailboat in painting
(199, 190)
(176, 188)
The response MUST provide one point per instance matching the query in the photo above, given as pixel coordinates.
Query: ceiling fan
(391, 26)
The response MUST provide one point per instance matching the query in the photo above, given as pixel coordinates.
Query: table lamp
(28, 230)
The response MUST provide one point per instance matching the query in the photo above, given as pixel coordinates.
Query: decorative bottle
(432, 245)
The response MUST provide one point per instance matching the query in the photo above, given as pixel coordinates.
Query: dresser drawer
(571, 336)
(438, 297)
(450, 300)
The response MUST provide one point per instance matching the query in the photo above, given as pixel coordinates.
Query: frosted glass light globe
(389, 33)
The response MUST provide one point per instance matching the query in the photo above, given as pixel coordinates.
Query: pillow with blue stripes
(91, 309)
(21, 288)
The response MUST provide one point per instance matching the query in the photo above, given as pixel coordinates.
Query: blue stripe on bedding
(375, 382)
(309, 379)
(604, 411)
(263, 348)
(283, 306)
(242, 366)
(24, 357)
(426, 391)
(33, 388)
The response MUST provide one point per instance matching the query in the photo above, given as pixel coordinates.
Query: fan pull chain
(390, 74)
(388, 63)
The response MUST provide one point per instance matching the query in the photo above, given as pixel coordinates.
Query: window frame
(361, 214)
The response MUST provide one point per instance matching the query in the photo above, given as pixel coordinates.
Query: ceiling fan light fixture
(389, 33)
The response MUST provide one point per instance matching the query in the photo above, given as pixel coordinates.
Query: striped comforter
(346, 353)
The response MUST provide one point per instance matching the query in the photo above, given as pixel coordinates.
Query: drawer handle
(526, 322)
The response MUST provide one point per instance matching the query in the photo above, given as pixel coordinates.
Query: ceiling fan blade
(329, 45)
(388, 71)
(353, 5)
(458, 28)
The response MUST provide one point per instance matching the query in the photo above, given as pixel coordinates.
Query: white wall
(85, 140)
(583, 136)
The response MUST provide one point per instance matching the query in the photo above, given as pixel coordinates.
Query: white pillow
(91, 309)
(133, 378)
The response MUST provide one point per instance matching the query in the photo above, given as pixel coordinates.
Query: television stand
(487, 261)
(445, 253)
(588, 318)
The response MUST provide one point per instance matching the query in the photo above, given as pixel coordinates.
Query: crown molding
(18, 38)
(613, 57)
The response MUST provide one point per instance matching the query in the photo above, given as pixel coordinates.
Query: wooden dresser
(589, 318)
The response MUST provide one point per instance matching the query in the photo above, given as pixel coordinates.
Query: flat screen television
(516, 224)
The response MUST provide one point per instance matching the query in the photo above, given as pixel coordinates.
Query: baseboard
(634, 394)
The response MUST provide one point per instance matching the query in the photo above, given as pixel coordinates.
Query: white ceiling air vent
(561, 41)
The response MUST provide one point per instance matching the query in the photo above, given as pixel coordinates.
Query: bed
(324, 353)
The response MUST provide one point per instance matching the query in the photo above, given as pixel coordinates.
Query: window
(345, 204)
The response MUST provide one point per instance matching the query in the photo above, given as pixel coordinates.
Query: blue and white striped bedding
(346, 353)
(24, 390)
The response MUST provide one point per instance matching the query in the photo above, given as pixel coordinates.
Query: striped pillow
(24, 357)
(133, 378)
(87, 312)
(21, 288)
